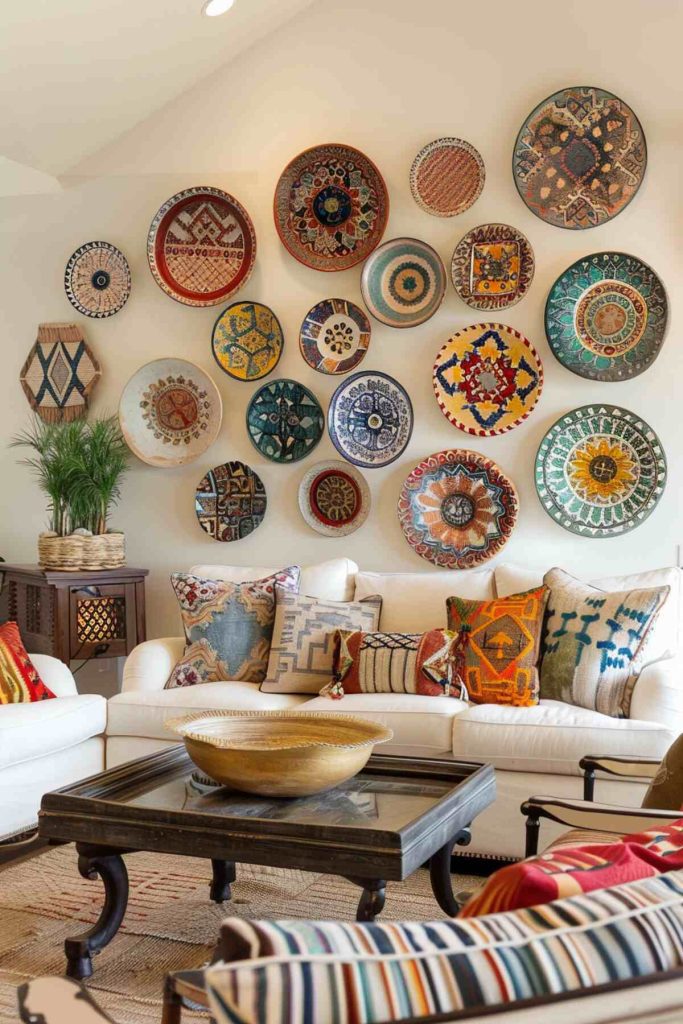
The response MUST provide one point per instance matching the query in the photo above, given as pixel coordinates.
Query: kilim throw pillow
(301, 652)
(19, 679)
(594, 642)
(228, 627)
(501, 642)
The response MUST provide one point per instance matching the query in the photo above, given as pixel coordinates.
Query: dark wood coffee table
(392, 818)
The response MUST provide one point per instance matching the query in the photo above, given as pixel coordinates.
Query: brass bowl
(279, 753)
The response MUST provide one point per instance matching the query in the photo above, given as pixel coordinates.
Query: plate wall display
(487, 379)
(457, 509)
(247, 340)
(606, 316)
(201, 246)
(334, 498)
(97, 279)
(579, 158)
(600, 471)
(447, 176)
(170, 412)
(370, 419)
(492, 266)
(230, 501)
(331, 207)
(285, 421)
(403, 282)
(60, 373)
(335, 336)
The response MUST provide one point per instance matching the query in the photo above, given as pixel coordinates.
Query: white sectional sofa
(535, 750)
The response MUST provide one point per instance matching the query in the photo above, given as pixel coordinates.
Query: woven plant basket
(82, 551)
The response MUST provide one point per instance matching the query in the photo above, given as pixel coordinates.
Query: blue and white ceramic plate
(285, 421)
(334, 336)
(403, 282)
(370, 419)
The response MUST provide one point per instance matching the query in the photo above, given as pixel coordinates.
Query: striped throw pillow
(424, 663)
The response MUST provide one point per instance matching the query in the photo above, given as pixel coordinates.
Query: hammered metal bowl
(279, 753)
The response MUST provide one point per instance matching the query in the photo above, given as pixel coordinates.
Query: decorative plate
(334, 498)
(170, 412)
(201, 246)
(457, 509)
(370, 419)
(334, 336)
(600, 471)
(487, 379)
(230, 501)
(285, 421)
(331, 207)
(247, 340)
(493, 266)
(579, 158)
(447, 176)
(403, 282)
(60, 373)
(606, 316)
(97, 279)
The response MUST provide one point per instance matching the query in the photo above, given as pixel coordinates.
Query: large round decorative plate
(447, 176)
(230, 501)
(600, 471)
(606, 316)
(247, 341)
(493, 266)
(201, 246)
(370, 419)
(334, 336)
(579, 158)
(487, 379)
(97, 279)
(170, 412)
(331, 207)
(334, 498)
(457, 509)
(285, 421)
(403, 282)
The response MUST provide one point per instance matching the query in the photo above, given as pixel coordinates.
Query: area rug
(170, 924)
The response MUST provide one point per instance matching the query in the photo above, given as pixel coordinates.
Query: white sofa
(535, 750)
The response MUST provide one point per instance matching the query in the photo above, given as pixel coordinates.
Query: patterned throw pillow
(501, 641)
(301, 652)
(424, 663)
(593, 643)
(19, 680)
(228, 627)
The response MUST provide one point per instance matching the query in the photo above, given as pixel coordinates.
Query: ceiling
(76, 74)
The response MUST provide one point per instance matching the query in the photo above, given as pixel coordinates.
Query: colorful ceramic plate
(457, 509)
(492, 267)
(370, 419)
(230, 501)
(170, 412)
(606, 316)
(487, 379)
(331, 207)
(97, 279)
(447, 176)
(579, 158)
(201, 246)
(334, 498)
(600, 471)
(285, 421)
(403, 282)
(247, 341)
(334, 336)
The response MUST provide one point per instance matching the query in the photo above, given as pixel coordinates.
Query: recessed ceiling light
(212, 8)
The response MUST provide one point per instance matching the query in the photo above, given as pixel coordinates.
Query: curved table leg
(223, 876)
(80, 950)
(440, 873)
(372, 899)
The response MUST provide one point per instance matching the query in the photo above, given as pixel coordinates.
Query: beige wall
(366, 74)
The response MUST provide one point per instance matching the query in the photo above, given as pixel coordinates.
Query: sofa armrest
(658, 695)
(150, 664)
(57, 676)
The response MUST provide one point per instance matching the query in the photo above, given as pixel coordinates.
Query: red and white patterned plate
(334, 498)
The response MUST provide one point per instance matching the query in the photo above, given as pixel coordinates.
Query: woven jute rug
(170, 923)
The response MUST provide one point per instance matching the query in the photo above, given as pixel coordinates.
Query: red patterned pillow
(19, 680)
(570, 870)
(424, 663)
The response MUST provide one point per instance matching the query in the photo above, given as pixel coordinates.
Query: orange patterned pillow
(19, 680)
(501, 641)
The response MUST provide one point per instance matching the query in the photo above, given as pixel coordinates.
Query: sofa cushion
(333, 580)
(20, 682)
(32, 730)
(414, 602)
(550, 737)
(425, 663)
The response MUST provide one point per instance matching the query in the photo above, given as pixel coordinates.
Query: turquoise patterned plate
(606, 316)
(403, 282)
(285, 421)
